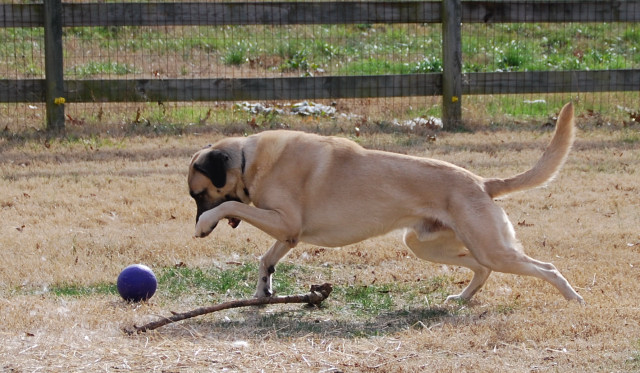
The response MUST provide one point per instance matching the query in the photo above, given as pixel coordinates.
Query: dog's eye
(196, 195)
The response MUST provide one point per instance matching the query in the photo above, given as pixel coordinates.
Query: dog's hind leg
(510, 260)
(494, 245)
(444, 247)
(268, 266)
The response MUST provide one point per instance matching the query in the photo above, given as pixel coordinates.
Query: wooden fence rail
(324, 12)
(249, 89)
(452, 84)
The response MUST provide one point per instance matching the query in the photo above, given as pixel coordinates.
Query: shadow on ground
(259, 322)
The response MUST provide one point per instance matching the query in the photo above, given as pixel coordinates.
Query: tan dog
(329, 191)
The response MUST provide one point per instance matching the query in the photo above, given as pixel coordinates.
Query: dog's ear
(213, 164)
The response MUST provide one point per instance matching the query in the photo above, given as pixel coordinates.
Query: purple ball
(136, 283)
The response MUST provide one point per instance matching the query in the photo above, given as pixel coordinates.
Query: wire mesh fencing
(351, 69)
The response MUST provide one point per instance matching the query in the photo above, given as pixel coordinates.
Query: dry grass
(76, 211)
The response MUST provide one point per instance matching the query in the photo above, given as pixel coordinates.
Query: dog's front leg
(268, 266)
(281, 224)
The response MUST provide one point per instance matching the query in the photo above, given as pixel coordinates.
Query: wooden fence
(452, 84)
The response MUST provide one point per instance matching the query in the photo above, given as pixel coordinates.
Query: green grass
(214, 284)
(175, 282)
(634, 360)
(370, 299)
(235, 282)
(93, 142)
(534, 47)
(375, 66)
(428, 65)
(630, 137)
(21, 51)
(352, 49)
(72, 290)
(93, 68)
(354, 310)
(237, 54)
(515, 56)
(376, 49)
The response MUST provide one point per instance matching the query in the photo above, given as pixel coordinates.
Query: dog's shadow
(261, 322)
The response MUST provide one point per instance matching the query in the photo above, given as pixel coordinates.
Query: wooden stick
(316, 295)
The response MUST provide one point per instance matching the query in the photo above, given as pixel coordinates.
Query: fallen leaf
(252, 123)
(138, 116)
(206, 118)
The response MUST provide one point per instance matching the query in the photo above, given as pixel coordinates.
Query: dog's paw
(457, 298)
(206, 223)
(201, 231)
(263, 293)
(580, 300)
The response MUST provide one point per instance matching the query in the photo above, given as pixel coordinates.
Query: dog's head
(214, 177)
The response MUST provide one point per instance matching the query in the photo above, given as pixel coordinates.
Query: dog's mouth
(202, 208)
(233, 222)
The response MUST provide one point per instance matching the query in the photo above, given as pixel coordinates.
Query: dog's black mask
(214, 165)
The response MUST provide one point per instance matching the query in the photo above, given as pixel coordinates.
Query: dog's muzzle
(204, 207)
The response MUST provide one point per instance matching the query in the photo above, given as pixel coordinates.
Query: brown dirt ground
(76, 212)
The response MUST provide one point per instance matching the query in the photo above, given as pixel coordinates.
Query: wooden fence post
(54, 74)
(451, 63)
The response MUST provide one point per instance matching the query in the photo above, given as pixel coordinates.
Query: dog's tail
(548, 165)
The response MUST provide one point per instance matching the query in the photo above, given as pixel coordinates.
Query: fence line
(452, 84)
(330, 12)
(295, 88)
